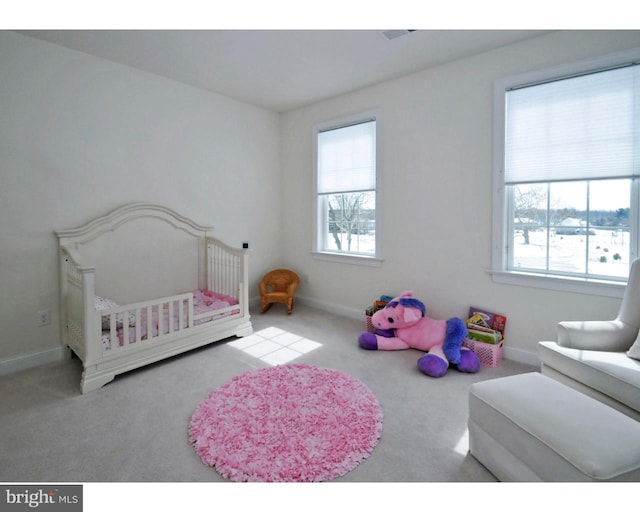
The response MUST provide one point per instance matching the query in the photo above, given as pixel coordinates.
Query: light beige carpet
(135, 428)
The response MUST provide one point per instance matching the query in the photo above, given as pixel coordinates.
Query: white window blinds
(583, 127)
(346, 159)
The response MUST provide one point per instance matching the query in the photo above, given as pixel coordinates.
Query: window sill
(352, 259)
(613, 289)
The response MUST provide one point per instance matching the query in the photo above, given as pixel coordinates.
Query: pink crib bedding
(204, 301)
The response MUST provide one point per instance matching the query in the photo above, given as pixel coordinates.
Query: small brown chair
(278, 285)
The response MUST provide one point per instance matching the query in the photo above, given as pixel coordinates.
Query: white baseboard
(31, 360)
(521, 356)
(336, 309)
(329, 307)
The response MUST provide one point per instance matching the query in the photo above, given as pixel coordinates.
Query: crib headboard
(141, 251)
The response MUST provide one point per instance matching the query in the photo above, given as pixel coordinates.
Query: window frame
(345, 257)
(500, 214)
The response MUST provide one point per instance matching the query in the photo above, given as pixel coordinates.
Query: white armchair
(608, 335)
(601, 358)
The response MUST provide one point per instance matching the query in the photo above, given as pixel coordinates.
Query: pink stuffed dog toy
(403, 324)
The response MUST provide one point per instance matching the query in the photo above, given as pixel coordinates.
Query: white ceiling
(281, 69)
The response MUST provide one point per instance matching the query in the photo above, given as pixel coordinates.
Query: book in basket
(485, 326)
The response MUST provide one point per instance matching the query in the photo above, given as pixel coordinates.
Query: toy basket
(489, 355)
(377, 306)
(368, 324)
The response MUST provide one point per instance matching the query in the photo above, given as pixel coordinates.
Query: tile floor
(275, 346)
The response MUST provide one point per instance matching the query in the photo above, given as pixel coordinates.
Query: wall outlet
(44, 317)
(245, 245)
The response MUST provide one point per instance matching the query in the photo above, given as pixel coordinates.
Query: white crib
(111, 265)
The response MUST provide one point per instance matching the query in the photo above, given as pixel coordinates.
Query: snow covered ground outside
(570, 253)
(567, 253)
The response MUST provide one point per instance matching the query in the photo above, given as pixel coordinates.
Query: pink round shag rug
(289, 423)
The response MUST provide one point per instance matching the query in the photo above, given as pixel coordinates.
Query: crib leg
(244, 329)
(91, 382)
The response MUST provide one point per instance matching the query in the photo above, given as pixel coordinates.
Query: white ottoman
(529, 427)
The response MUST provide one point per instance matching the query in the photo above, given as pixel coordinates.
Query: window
(567, 162)
(346, 189)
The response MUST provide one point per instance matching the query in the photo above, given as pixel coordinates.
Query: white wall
(435, 161)
(80, 136)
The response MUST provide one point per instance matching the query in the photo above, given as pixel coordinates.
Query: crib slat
(227, 266)
(125, 328)
(171, 316)
(113, 331)
(181, 314)
(160, 320)
(149, 323)
(138, 326)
